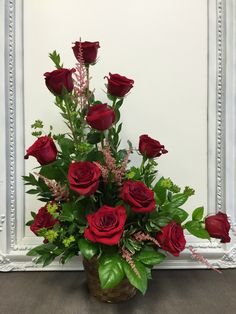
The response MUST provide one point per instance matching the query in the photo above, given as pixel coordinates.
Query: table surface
(170, 291)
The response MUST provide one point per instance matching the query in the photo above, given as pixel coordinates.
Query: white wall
(162, 45)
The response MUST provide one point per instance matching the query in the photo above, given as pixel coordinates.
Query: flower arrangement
(124, 217)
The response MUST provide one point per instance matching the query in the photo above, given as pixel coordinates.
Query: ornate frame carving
(221, 139)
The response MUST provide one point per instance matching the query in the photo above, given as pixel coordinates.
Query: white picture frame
(221, 140)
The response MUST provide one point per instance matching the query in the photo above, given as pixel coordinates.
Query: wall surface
(162, 45)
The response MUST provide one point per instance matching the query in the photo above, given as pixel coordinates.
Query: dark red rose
(42, 220)
(106, 225)
(171, 238)
(43, 149)
(118, 85)
(84, 177)
(100, 117)
(89, 51)
(218, 227)
(138, 196)
(150, 148)
(58, 80)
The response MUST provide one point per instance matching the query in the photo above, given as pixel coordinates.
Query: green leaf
(67, 145)
(198, 214)
(66, 213)
(160, 192)
(41, 249)
(181, 214)
(139, 282)
(110, 270)
(94, 137)
(48, 259)
(32, 191)
(150, 257)
(87, 248)
(195, 228)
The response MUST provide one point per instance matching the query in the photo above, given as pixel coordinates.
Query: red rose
(89, 51)
(42, 220)
(118, 85)
(43, 149)
(171, 238)
(218, 227)
(106, 225)
(84, 177)
(100, 117)
(150, 148)
(58, 80)
(138, 196)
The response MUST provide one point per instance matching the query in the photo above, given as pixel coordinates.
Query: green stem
(102, 140)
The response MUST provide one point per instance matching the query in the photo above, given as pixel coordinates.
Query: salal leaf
(110, 270)
(150, 257)
(160, 192)
(198, 214)
(139, 282)
(195, 228)
(87, 248)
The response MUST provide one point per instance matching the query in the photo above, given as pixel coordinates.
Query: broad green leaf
(67, 145)
(139, 282)
(87, 248)
(150, 257)
(194, 227)
(41, 249)
(181, 214)
(66, 213)
(110, 270)
(198, 214)
(94, 137)
(160, 192)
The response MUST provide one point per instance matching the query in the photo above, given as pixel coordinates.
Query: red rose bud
(84, 177)
(218, 227)
(150, 148)
(43, 149)
(138, 196)
(42, 220)
(171, 238)
(100, 117)
(89, 51)
(106, 225)
(118, 85)
(58, 80)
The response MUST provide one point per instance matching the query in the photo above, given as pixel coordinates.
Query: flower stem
(70, 119)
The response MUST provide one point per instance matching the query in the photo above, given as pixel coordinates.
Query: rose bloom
(58, 80)
(171, 238)
(42, 220)
(84, 177)
(118, 85)
(89, 51)
(43, 149)
(106, 225)
(218, 227)
(138, 196)
(150, 148)
(100, 117)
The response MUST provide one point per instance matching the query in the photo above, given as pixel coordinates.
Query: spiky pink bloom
(141, 236)
(202, 259)
(128, 257)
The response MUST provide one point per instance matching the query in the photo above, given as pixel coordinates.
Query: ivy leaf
(198, 214)
(110, 270)
(150, 257)
(139, 282)
(87, 248)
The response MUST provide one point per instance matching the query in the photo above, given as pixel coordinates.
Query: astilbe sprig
(141, 236)
(110, 166)
(59, 193)
(128, 257)
(81, 81)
